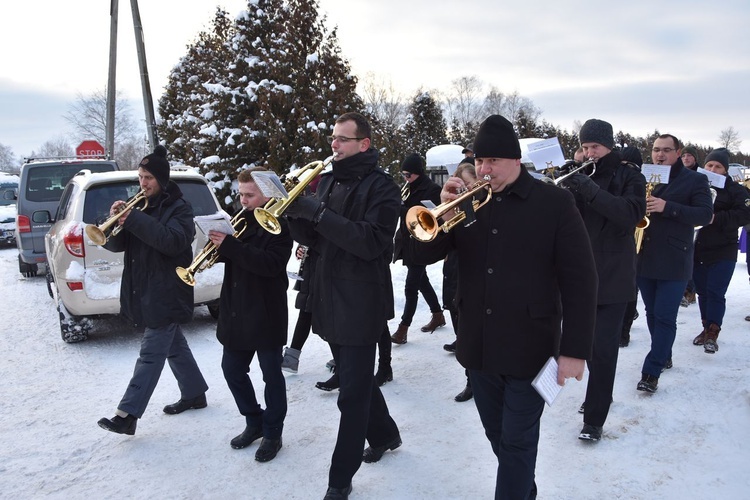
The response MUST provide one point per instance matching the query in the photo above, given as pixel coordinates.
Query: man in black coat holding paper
(525, 269)
(612, 200)
(253, 319)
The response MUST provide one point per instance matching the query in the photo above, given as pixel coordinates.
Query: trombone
(295, 184)
(210, 253)
(423, 222)
(102, 233)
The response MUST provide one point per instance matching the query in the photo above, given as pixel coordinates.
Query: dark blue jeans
(711, 283)
(236, 366)
(510, 410)
(662, 301)
(417, 281)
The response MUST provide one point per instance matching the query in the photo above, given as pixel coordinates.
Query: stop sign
(88, 149)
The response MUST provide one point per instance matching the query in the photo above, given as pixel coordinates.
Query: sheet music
(714, 179)
(220, 221)
(545, 382)
(546, 154)
(270, 184)
(657, 174)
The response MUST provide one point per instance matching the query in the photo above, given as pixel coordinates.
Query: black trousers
(364, 412)
(417, 281)
(236, 366)
(603, 362)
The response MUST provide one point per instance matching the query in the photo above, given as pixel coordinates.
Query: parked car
(83, 278)
(41, 185)
(8, 195)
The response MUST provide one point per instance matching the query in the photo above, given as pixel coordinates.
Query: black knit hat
(413, 163)
(597, 131)
(721, 155)
(496, 139)
(157, 164)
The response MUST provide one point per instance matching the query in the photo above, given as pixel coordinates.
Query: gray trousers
(160, 344)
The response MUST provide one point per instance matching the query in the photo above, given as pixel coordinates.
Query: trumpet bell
(422, 224)
(186, 276)
(267, 220)
(96, 235)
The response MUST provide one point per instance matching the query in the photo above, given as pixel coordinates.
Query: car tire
(213, 309)
(73, 329)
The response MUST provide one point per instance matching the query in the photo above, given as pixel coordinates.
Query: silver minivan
(39, 191)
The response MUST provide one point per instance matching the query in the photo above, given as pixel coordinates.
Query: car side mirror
(41, 217)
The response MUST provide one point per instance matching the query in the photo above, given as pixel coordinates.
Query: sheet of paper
(714, 179)
(546, 154)
(545, 382)
(657, 174)
(270, 184)
(220, 221)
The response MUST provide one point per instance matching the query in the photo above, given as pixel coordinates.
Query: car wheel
(214, 310)
(72, 328)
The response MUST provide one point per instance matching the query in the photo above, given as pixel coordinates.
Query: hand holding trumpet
(654, 205)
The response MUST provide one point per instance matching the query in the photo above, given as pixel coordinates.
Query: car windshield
(99, 198)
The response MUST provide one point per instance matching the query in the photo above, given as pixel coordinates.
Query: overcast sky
(678, 66)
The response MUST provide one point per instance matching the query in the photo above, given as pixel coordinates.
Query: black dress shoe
(330, 384)
(648, 383)
(268, 449)
(245, 439)
(119, 424)
(338, 493)
(450, 347)
(464, 395)
(374, 453)
(186, 404)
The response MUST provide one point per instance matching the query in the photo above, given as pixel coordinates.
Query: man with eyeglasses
(350, 223)
(418, 187)
(665, 263)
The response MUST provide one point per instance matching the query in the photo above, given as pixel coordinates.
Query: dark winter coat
(253, 311)
(156, 241)
(718, 241)
(667, 250)
(304, 288)
(610, 220)
(352, 287)
(525, 267)
(423, 188)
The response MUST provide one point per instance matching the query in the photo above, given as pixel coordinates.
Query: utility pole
(109, 133)
(148, 104)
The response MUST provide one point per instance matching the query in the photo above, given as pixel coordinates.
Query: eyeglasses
(342, 139)
(662, 150)
(406, 175)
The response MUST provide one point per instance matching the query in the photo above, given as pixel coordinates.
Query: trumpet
(102, 233)
(423, 223)
(640, 228)
(575, 170)
(210, 253)
(295, 184)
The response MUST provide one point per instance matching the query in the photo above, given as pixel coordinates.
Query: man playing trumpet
(156, 240)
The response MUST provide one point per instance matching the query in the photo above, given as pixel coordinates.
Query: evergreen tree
(425, 126)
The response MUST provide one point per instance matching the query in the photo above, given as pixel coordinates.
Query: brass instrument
(295, 184)
(101, 233)
(640, 228)
(423, 223)
(210, 253)
(405, 192)
(582, 166)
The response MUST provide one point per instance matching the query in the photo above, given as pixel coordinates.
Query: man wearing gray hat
(612, 200)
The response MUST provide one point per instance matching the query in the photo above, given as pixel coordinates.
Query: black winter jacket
(610, 220)
(156, 241)
(253, 312)
(423, 188)
(352, 287)
(718, 240)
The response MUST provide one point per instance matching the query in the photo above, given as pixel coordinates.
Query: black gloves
(582, 186)
(305, 207)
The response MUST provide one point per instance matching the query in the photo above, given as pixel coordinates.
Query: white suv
(83, 278)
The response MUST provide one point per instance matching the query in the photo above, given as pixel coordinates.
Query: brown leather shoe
(436, 322)
(710, 344)
(400, 336)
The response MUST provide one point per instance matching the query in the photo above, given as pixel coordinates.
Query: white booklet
(545, 381)
(220, 221)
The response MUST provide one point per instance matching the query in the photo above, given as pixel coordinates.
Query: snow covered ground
(689, 440)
